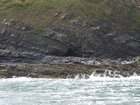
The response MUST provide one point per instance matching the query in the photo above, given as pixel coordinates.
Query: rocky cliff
(70, 38)
(102, 39)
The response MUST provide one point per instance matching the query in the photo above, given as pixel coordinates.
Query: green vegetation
(42, 12)
(136, 19)
(137, 59)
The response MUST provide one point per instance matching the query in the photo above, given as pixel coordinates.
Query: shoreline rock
(68, 70)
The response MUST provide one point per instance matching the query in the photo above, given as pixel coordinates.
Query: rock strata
(102, 39)
(59, 51)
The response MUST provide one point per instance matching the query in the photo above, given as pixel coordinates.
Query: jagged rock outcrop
(20, 43)
(17, 44)
(100, 39)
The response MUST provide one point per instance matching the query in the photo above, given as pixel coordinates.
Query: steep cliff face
(101, 39)
(109, 33)
(18, 43)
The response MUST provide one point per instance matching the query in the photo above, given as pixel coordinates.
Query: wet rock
(68, 71)
(33, 75)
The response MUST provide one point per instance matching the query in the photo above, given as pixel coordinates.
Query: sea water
(92, 91)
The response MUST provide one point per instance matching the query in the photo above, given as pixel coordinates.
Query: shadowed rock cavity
(71, 52)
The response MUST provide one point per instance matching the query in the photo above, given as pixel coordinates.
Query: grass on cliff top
(41, 12)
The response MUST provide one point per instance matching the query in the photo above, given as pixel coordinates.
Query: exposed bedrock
(68, 70)
(59, 51)
(20, 43)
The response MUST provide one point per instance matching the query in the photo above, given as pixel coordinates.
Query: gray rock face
(61, 51)
(102, 39)
(17, 44)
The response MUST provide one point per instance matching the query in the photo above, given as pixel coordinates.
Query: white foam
(107, 75)
(18, 79)
(127, 62)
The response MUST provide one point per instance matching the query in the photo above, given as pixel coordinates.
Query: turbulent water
(92, 91)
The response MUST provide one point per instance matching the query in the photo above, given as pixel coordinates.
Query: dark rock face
(102, 39)
(99, 39)
(17, 45)
(61, 51)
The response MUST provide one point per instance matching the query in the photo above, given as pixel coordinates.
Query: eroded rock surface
(102, 39)
(69, 49)
(68, 70)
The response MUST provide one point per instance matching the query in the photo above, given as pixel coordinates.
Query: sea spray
(78, 91)
(106, 73)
